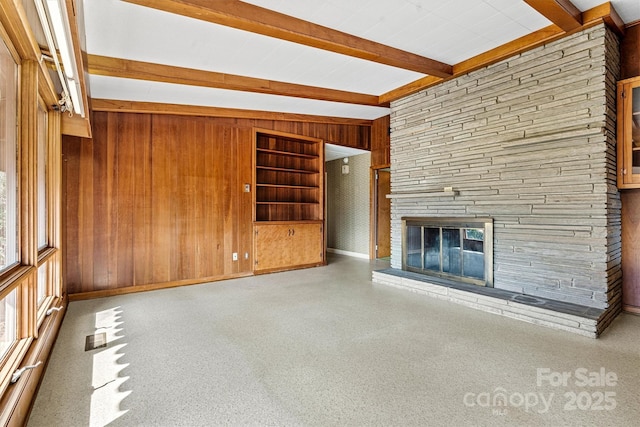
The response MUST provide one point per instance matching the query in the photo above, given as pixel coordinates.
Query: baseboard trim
(151, 287)
(348, 253)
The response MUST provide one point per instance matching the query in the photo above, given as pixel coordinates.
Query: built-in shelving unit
(288, 201)
(288, 177)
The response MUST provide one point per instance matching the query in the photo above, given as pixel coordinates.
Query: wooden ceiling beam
(116, 67)
(561, 12)
(248, 17)
(603, 13)
(233, 113)
(607, 13)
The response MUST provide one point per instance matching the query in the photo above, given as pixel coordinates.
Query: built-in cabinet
(629, 180)
(288, 201)
(629, 133)
(281, 246)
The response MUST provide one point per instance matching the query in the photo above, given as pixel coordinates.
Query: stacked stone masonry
(529, 141)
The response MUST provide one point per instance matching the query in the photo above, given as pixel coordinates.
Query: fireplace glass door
(448, 250)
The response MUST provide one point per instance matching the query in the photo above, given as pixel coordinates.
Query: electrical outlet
(247, 188)
(246, 255)
(235, 256)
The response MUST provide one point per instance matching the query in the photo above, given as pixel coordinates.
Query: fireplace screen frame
(484, 223)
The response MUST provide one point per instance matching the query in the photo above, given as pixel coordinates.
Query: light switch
(247, 188)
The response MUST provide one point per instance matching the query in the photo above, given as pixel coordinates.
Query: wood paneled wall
(157, 200)
(631, 250)
(381, 143)
(630, 52)
(630, 67)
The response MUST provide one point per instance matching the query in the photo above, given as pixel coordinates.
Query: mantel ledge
(422, 194)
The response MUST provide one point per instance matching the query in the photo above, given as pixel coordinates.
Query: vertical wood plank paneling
(183, 196)
(142, 247)
(208, 254)
(187, 185)
(199, 211)
(630, 52)
(70, 211)
(112, 201)
(100, 211)
(161, 201)
(631, 250)
(128, 129)
(217, 257)
(158, 199)
(86, 257)
(380, 143)
(229, 182)
(245, 169)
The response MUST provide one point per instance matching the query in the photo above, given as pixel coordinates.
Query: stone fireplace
(456, 249)
(528, 142)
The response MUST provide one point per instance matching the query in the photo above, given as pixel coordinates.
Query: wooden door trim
(373, 208)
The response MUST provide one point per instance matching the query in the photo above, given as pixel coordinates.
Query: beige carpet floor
(326, 347)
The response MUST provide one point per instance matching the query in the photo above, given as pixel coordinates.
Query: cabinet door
(271, 247)
(629, 134)
(306, 244)
(286, 246)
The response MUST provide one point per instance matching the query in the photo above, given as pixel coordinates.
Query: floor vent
(95, 341)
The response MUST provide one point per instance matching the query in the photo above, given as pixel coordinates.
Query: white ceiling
(448, 31)
(334, 152)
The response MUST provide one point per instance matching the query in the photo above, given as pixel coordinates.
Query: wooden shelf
(301, 187)
(288, 177)
(286, 153)
(285, 203)
(289, 170)
(288, 201)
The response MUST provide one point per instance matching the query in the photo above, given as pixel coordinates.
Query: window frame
(21, 277)
(43, 133)
(17, 166)
(15, 277)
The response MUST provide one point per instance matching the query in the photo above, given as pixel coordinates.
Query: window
(8, 324)
(8, 159)
(43, 132)
(42, 283)
(29, 210)
(42, 190)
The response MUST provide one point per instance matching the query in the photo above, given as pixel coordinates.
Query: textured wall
(529, 141)
(348, 205)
